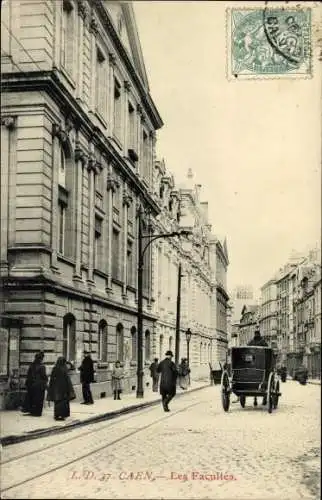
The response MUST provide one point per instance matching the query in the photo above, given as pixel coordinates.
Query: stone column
(112, 62)
(91, 186)
(93, 28)
(81, 160)
(8, 124)
(110, 187)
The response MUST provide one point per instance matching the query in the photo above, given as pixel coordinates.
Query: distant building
(248, 323)
(268, 313)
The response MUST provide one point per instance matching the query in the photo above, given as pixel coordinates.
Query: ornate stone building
(204, 262)
(249, 321)
(77, 155)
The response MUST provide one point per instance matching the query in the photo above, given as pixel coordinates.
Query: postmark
(269, 42)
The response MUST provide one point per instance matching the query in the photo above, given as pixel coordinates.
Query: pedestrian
(86, 378)
(184, 371)
(258, 341)
(60, 389)
(117, 380)
(154, 374)
(169, 374)
(36, 384)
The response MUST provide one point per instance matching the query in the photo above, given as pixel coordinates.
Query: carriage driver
(258, 341)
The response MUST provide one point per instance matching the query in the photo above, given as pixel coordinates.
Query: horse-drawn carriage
(253, 374)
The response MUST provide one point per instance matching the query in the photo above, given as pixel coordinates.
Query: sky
(254, 146)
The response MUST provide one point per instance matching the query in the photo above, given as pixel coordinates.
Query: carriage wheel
(276, 395)
(242, 400)
(270, 392)
(225, 391)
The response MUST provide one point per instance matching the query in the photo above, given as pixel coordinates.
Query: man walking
(169, 374)
(154, 374)
(86, 378)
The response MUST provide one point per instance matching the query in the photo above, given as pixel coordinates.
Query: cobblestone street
(196, 451)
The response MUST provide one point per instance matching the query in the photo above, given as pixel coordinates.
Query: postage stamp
(269, 42)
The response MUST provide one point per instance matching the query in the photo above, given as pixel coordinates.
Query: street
(195, 451)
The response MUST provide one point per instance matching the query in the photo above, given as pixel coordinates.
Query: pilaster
(91, 167)
(8, 125)
(81, 162)
(111, 188)
(93, 29)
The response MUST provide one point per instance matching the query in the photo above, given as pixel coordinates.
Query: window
(145, 156)
(129, 263)
(98, 243)
(117, 110)
(67, 36)
(62, 168)
(115, 254)
(69, 337)
(147, 345)
(4, 351)
(100, 90)
(61, 226)
(161, 347)
(170, 343)
(131, 127)
(102, 341)
(119, 342)
(133, 344)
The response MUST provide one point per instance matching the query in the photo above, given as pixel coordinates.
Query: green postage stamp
(269, 42)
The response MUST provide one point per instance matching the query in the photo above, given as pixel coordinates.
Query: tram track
(99, 428)
(89, 453)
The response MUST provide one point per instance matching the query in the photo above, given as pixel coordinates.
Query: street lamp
(188, 338)
(141, 252)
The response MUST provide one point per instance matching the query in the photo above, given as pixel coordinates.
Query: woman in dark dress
(36, 383)
(60, 389)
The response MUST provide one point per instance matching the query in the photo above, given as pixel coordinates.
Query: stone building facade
(268, 313)
(249, 321)
(77, 140)
(204, 261)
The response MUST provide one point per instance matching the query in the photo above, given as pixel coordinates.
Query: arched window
(161, 353)
(102, 341)
(69, 337)
(170, 343)
(147, 345)
(120, 342)
(133, 344)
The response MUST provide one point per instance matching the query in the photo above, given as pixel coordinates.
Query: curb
(14, 439)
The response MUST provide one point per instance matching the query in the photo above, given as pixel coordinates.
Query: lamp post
(141, 251)
(188, 338)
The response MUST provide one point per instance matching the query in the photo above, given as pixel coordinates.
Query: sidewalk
(16, 427)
